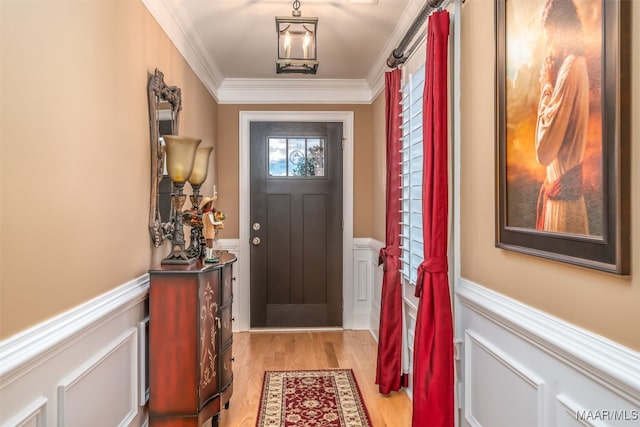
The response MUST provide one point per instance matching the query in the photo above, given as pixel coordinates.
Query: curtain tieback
(386, 252)
(436, 264)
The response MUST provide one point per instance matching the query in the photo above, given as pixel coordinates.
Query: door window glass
(296, 157)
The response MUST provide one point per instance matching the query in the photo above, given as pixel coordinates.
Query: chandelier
(297, 49)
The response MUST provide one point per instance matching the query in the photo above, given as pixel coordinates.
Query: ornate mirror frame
(165, 102)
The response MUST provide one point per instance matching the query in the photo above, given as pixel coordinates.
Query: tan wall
(601, 302)
(75, 150)
(379, 165)
(228, 152)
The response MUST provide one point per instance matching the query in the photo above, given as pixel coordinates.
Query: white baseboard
(52, 373)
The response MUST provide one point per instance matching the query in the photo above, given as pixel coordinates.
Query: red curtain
(433, 382)
(389, 375)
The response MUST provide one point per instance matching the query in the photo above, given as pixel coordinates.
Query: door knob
(255, 240)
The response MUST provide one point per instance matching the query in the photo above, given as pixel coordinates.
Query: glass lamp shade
(181, 153)
(200, 166)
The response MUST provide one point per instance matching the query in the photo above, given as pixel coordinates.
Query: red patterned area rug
(324, 398)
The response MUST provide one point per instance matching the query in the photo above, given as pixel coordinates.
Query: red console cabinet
(190, 341)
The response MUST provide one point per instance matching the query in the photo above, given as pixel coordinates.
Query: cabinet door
(209, 328)
(173, 335)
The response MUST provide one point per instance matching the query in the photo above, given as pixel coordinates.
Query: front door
(296, 224)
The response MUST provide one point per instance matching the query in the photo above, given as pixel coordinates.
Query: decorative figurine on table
(212, 221)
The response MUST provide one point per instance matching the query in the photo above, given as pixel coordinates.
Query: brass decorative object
(194, 216)
(180, 156)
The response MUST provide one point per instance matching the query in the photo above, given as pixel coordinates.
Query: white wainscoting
(241, 297)
(367, 281)
(87, 366)
(376, 285)
(84, 367)
(523, 367)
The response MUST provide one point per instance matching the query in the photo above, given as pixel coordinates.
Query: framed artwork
(563, 129)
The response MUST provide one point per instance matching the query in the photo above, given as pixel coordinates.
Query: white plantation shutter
(411, 237)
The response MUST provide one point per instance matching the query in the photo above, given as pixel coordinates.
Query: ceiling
(231, 45)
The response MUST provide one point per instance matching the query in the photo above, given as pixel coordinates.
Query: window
(411, 237)
(296, 157)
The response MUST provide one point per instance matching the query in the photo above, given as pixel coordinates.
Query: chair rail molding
(42, 341)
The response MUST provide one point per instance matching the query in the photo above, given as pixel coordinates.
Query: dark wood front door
(296, 224)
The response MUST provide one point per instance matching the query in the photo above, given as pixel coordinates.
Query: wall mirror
(165, 103)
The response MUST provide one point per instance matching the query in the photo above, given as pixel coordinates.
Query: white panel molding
(23, 352)
(363, 281)
(67, 405)
(605, 362)
(364, 265)
(240, 286)
(34, 415)
(411, 319)
(376, 287)
(573, 409)
(143, 385)
(527, 376)
(347, 119)
(410, 315)
(231, 245)
(507, 361)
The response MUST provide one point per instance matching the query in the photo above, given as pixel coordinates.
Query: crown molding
(375, 79)
(176, 22)
(294, 91)
(179, 25)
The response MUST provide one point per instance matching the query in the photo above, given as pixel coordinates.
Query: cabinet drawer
(227, 368)
(227, 284)
(226, 332)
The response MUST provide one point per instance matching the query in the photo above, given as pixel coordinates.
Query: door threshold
(267, 329)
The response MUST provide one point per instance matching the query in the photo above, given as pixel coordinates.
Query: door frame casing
(347, 120)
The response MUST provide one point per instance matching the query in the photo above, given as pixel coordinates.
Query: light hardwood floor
(256, 352)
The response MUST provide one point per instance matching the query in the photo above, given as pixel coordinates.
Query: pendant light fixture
(297, 48)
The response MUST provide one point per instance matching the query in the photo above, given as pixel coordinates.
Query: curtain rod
(398, 56)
